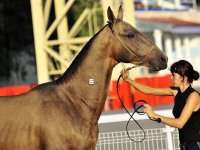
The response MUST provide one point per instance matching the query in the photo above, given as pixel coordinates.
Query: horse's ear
(120, 13)
(110, 15)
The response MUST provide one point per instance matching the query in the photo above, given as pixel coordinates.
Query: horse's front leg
(92, 140)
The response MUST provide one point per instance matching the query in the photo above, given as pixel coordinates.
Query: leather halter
(141, 61)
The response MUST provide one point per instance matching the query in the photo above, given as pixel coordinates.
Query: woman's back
(190, 131)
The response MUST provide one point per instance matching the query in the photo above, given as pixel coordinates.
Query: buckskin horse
(63, 114)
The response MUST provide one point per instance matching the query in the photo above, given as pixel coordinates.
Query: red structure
(162, 82)
(15, 90)
(129, 95)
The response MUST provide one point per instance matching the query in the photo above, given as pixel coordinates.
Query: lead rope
(131, 115)
(136, 110)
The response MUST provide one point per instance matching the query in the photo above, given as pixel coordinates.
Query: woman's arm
(145, 89)
(192, 103)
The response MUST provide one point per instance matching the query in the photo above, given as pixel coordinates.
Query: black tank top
(191, 130)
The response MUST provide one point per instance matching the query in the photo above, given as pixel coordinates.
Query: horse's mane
(77, 61)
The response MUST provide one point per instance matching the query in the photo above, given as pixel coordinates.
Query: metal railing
(156, 139)
(164, 138)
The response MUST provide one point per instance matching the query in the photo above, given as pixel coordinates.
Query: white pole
(158, 38)
(177, 3)
(145, 3)
(58, 19)
(47, 9)
(194, 2)
(77, 40)
(178, 48)
(186, 43)
(39, 31)
(56, 56)
(62, 31)
(169, 131)
(169, 51)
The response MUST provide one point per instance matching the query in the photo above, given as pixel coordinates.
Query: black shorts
(190, 146)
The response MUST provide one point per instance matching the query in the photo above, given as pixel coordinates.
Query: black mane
(77, 61)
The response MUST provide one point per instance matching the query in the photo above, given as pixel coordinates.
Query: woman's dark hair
(185, 69)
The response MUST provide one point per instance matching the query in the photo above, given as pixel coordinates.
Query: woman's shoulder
(195, 91)
(194, 95)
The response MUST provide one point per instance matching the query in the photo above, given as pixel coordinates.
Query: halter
(141, 61)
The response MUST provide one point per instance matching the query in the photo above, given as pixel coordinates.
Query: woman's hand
(149, 111)
(125, 74)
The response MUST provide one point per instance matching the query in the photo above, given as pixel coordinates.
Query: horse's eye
(130, 35)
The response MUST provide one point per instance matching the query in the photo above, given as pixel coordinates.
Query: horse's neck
(91, 80)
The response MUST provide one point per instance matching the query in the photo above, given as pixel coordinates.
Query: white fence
(165, 138)
(155, 139)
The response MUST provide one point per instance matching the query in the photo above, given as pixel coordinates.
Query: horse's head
(131, 46)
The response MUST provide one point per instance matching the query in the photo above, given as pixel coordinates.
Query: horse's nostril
(163, 59)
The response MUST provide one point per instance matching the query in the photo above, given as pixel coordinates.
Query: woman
(186, 103)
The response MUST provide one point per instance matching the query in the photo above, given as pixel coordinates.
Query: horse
(63, 114)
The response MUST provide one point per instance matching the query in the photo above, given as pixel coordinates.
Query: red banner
(15, 90)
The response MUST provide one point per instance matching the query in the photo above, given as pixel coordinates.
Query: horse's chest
(64, 133)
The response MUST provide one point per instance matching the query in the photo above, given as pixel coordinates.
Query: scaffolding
(54, 55)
